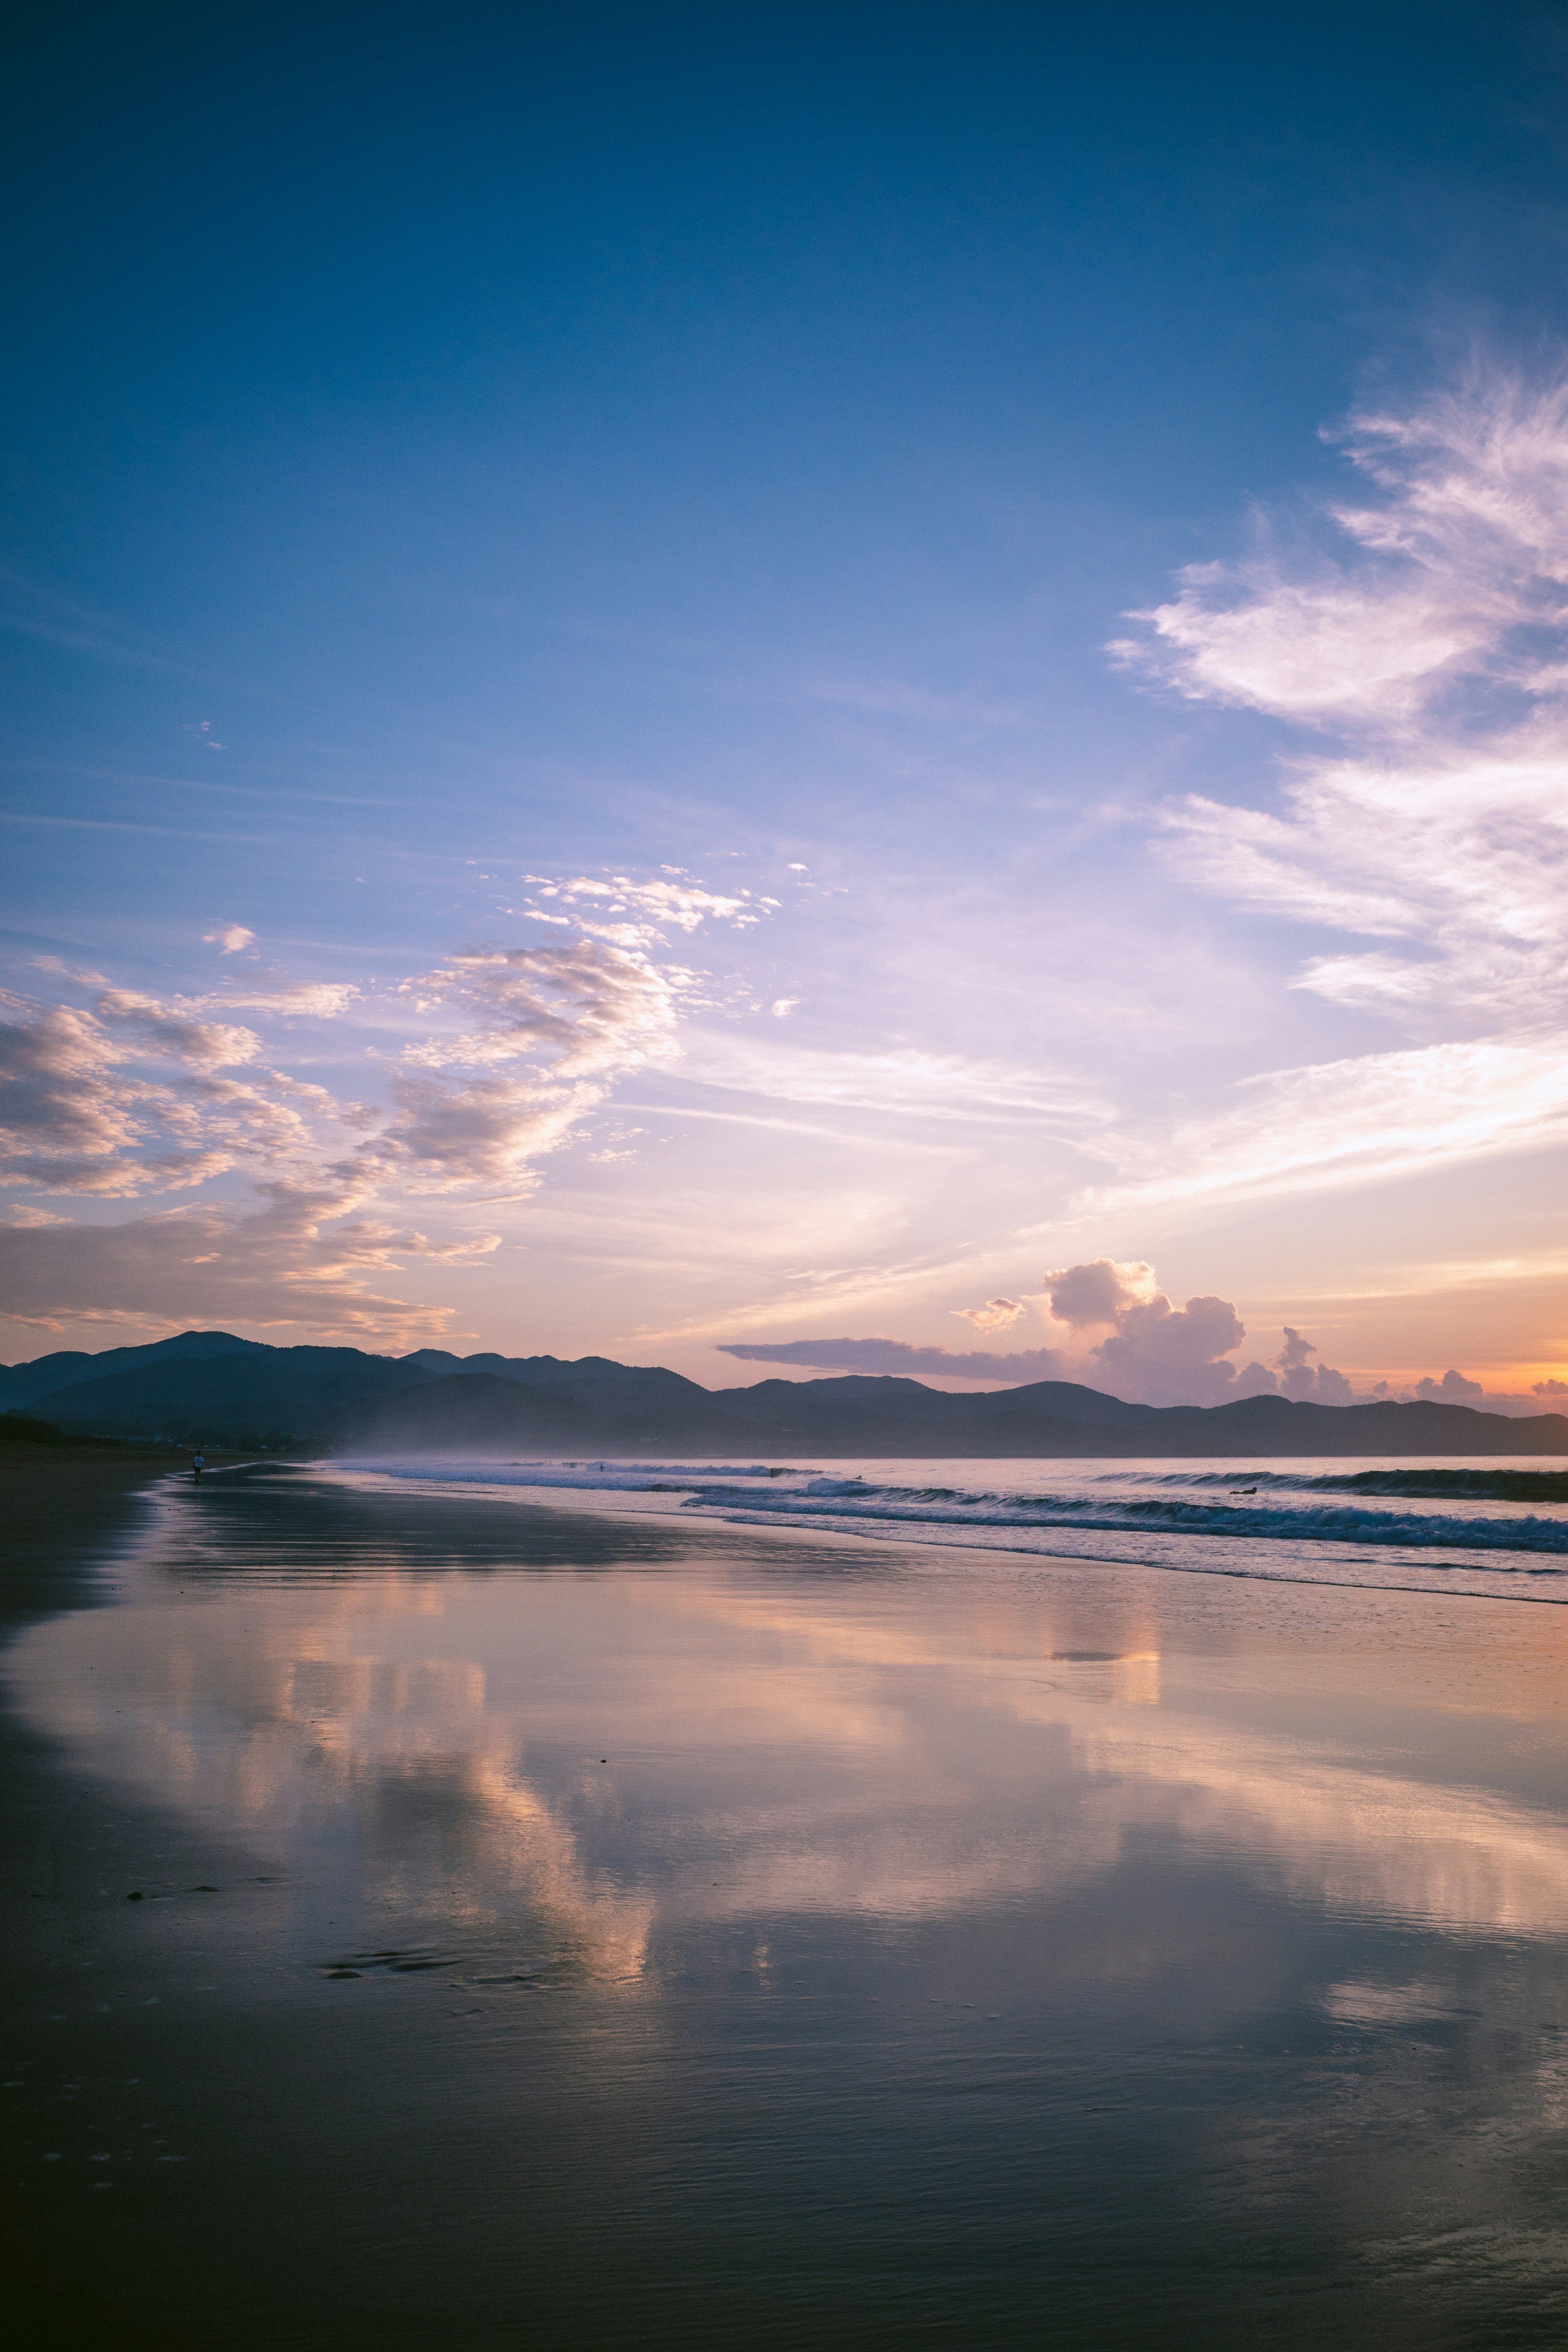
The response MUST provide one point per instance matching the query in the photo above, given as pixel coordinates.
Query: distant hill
(210, 1388)
(47, 1375)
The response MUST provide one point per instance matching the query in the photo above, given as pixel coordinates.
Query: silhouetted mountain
(207, 1387)
(45, 1375)
(590, 1380)
(234, 1398)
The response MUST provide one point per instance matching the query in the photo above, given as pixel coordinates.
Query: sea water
(1488, 1525)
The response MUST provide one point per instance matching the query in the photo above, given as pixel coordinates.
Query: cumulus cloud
(1126, 1338)
(1160, 1354)
(232, 936)
(1307, 1383)
(1103, 1291)
(1150, 1351)
(994, 1316)
(1456, 1387)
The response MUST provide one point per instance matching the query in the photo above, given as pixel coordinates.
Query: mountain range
(208, 1388)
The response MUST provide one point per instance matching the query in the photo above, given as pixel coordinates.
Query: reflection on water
(1079, 1956)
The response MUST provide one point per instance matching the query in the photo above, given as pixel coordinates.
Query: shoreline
(608, 1503)
(331, 2105)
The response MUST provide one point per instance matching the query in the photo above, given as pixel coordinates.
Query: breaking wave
(1485, 1528)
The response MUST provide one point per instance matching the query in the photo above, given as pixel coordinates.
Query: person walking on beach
(198, 1464)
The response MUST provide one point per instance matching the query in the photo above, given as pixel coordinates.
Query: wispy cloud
(1430, 638)
(901, 1080)
(300, 1260)
(900, 1356)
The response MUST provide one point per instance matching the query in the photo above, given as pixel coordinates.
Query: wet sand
(562, 1930)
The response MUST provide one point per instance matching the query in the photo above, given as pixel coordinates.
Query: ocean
(1492, 1527)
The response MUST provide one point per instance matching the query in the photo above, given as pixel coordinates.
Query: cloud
(301, 1260)
(1305, 1384)
(645, 908)
(1452, 1389)
(1425, 629)
(588, 1009)
(1160, 1354)
(544, 1031)
(171, 1030)
(128, 1097)
(901, 1080)
(1454, 575)
(1100, 1292)
(1549, 1387)
(318, 1000)
(233, 937)
(994, 1316)
(1151, 1352)
(1357, 1120)
(898, 1357)
(512, 1046)
(503, 1051)
(1444, 645)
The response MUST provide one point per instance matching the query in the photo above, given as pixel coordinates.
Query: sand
(555, 1929)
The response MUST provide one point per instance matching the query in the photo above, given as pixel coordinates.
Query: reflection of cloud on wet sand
(819, 1751)
(286, 1729)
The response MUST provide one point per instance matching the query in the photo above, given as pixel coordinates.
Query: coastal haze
(784, 1113)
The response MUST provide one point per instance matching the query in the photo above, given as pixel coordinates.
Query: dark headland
(208, 1388)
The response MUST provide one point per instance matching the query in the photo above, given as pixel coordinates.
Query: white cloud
(172, 1030)
(1431, 637)
(1437, 645)
(1358, 1120)
(586, 1010)
(646, 908)
(997, 1314)
(233, 937)
(319, 1000)
(129, 1097)
(537, 1034)
(1100, 1292)
(901, 1079)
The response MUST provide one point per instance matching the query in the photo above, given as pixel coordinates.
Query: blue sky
(650, 499)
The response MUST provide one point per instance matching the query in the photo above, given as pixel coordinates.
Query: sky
(793, 690)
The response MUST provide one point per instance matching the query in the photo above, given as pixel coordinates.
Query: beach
(458, 1910)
